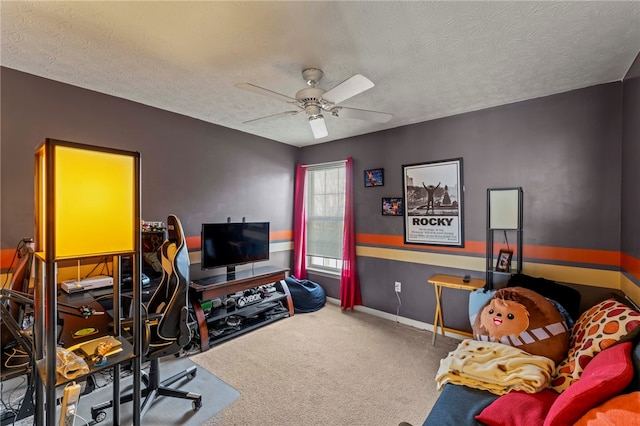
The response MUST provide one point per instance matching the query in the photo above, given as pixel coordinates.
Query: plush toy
(524, 319)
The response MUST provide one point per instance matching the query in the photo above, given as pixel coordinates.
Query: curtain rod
(329, 163)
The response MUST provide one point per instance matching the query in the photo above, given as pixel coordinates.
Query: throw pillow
(518, 408)
(522, 318)
(597, 328)
(619, 411)
(607, 375)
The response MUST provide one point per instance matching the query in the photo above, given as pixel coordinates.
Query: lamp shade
(87, 200)
(504, 208)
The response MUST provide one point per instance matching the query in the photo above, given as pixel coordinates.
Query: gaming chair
(165, 329)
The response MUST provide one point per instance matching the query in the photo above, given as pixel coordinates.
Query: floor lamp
(87, 204)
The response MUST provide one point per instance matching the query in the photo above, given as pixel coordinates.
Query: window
(325, 217)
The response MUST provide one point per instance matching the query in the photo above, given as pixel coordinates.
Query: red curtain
(349, 285)
(299, 226)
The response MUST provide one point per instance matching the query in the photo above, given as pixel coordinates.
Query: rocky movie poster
(433, 203)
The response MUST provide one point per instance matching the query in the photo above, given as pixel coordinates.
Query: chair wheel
(196, 404)
(100, 416)
(191, 375)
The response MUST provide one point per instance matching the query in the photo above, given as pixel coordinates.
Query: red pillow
(605, 376)
(518, 409)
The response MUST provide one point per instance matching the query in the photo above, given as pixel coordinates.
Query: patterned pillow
(598, 328)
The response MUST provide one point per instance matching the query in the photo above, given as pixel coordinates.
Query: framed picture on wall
(373, 177)
(503, 264)
(391, 206)
(433, 211)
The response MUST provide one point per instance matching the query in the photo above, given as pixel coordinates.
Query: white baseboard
(402, 320)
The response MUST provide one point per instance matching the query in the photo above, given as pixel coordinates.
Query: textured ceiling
(427, 59)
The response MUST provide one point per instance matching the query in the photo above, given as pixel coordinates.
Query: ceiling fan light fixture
(313, 101)
(318, 126)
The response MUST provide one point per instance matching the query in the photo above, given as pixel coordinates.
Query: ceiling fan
(314, 101)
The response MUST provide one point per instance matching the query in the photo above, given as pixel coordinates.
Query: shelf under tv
(213, 329)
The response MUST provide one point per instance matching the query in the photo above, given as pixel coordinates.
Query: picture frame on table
(373, 177)
(392, 206)
(503, 263)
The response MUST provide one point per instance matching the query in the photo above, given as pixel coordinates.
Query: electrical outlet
(398, 286)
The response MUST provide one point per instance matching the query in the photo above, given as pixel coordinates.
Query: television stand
(237, 302)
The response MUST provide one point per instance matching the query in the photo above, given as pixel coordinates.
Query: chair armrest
(151, 319)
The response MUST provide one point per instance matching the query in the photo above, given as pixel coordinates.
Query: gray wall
(199, 171)
(630, 169)
(564, 150)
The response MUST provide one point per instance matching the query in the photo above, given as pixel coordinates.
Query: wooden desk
(72, 325)
(439, 281)
(100, 322)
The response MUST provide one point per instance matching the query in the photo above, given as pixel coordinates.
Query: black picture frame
(392, 206)
(373, 177)
(503, 262)
(434, 203)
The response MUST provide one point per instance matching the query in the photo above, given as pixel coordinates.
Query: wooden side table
(439, 282)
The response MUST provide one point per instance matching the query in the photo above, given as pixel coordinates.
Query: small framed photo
(392, 207)
(373, 177)
(503, 264)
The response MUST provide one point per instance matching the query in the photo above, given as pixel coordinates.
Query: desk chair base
(154, 389)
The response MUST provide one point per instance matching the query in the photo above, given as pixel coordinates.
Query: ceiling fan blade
(318, 126)
(363, 114)
(272, 116)
(348, 88)
(262, 91)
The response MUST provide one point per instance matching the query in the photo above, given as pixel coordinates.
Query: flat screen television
(231, 244)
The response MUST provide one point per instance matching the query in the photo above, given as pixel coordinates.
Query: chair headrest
(175, 234)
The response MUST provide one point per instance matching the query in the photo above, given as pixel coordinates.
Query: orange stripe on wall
(631, 265)
(596, 257)
(193, 243)
(475, 247)
(281, 235)
(6, 255)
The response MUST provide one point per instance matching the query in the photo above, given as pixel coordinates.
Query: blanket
(495, 367)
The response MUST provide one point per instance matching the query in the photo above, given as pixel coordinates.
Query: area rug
(216, 395)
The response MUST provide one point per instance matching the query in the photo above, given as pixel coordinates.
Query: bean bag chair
(307, 295)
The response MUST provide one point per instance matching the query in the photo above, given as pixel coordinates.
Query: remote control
(69, 404)
(466, 279)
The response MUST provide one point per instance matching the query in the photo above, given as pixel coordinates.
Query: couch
(600, 377)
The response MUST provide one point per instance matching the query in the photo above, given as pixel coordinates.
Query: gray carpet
(328, 368)
(216, 395)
